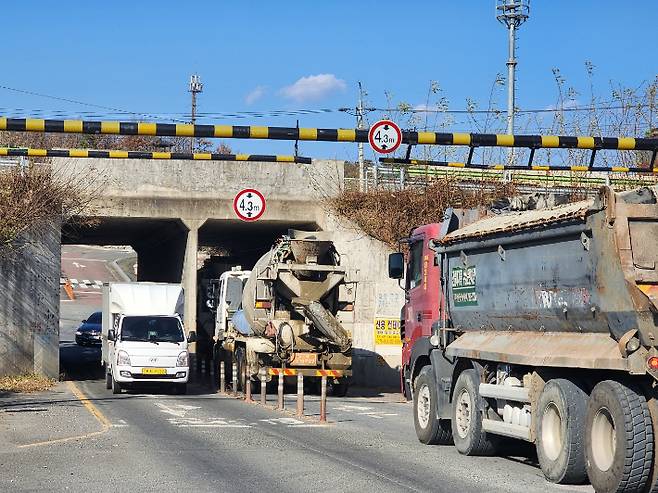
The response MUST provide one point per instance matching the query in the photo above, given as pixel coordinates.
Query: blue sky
(264, 56)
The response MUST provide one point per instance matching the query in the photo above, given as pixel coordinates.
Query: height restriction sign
(385, 136)
(249, 204)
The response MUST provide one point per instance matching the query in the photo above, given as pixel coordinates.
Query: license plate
(304, 359)
(154, 371)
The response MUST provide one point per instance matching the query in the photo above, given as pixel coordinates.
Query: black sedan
(89, 333)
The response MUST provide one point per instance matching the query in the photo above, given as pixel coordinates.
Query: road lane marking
(89, 406)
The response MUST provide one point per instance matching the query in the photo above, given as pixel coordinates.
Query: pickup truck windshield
(151, 329)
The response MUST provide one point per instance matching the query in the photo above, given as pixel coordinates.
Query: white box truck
(143, 339)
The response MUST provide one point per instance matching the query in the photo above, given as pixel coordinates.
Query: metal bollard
(234, 374)
(247, 384)
(323, 400)
(263, 388)
(300, 394)
(281, 403)
(222, 378)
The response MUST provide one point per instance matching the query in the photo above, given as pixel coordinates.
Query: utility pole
(361, 126)
(512, 13)
(195, 87)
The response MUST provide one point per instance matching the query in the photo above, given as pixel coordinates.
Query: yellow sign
(387, 331)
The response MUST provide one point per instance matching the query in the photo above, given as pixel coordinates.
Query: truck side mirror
(191, 337)
(396, 265)
(111, 335)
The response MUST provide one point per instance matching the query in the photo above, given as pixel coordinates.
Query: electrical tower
(196, 87)
(512, 13)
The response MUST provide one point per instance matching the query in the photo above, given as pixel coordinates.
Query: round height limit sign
(249, 204)
(385, 136)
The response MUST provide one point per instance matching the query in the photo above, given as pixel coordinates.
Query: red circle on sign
(241, 210)
(377, 147)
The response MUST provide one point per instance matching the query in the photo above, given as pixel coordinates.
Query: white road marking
(363, 411)
(86, 281)
(188, 408)
(165, 409)
(283, 421)
(79, 266)
(98, 283)
(73, 281)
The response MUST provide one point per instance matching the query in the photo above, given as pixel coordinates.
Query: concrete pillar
(190, 272)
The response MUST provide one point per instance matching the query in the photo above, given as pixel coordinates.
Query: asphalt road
(203, 441)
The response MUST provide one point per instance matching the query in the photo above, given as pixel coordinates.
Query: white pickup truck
(143, 339)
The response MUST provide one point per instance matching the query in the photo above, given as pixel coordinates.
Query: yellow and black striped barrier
(534, 167)
(117, 154)
(324, 134)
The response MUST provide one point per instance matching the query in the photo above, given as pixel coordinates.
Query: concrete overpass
(166, 210)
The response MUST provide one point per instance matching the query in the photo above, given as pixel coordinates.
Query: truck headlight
(183, 359)
(123, 359)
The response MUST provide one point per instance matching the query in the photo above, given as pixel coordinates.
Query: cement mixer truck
(286, 312)
(539, 325)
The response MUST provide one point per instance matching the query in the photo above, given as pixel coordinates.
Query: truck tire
(560, 432)
(340, 388)
(652, 483)
(108, 378)
(467, 432)
(116, 386)
(430, 430)
(618, 439)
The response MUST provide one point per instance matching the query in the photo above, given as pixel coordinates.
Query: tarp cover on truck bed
(517, 221)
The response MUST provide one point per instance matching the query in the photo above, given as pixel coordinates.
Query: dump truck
(539, 325)
(285, 313)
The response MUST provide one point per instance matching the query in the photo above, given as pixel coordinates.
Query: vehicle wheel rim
(551, 432)
(423, 406)
(604, 444)
(463, 414)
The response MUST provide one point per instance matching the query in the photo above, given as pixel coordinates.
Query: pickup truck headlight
(123, 359)
(183, 359)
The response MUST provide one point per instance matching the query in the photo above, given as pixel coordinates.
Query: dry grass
(25, 383)
(389, 215)
(34, 196)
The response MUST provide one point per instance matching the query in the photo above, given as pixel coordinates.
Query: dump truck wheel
(619, 439)
(108, 378)
(240, 365)
(652, 483)
(560, 432)
(467, 432)
(430, 429)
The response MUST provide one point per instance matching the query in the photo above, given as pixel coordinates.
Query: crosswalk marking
(84, 284)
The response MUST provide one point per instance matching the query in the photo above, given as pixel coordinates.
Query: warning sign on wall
(387, 331)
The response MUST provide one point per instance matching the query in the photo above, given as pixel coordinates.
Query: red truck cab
(423, 297)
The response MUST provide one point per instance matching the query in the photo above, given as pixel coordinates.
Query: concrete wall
(376, 359)
(29, 304)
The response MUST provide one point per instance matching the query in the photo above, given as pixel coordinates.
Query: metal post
(263, 388)
(323, 400)
(281, 403)
(247, 393)
(234, 374)
(359, 120)
(222, 378)
(511, 65)
(300, 394)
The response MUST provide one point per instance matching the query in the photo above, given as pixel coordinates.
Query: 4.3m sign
(249, 204)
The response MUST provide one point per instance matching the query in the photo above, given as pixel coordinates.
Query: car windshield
(154, 329)
(94, 318)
